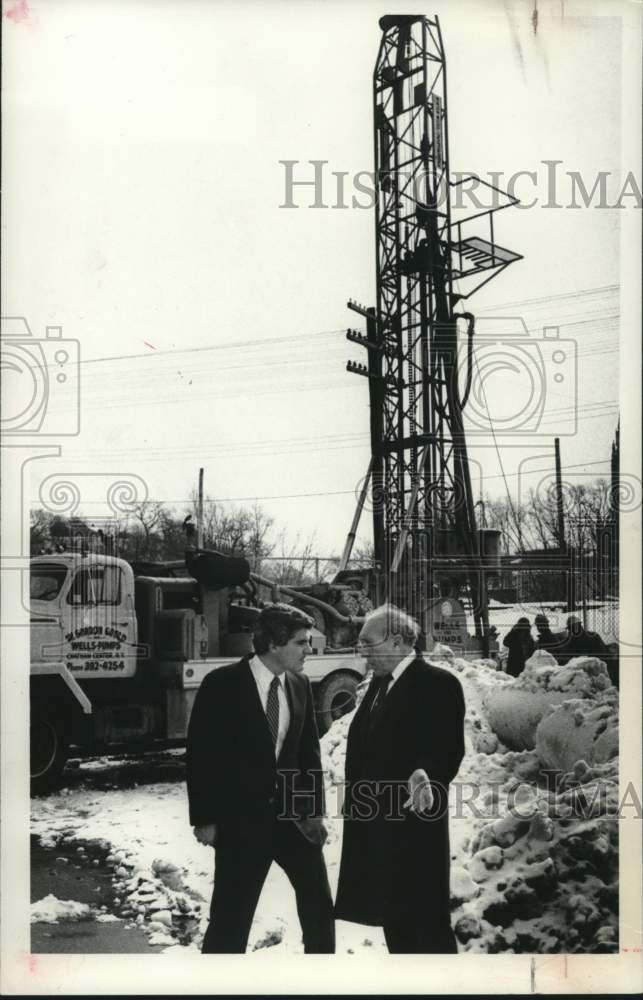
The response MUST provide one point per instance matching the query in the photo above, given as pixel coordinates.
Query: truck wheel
(335, 697)
(48, 748)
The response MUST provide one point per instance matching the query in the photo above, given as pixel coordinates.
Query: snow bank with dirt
(535, 860)
(515, 711)
(534, 868)
(50, 910)
(579, 730)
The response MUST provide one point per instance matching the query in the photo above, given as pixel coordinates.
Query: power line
(261, 342)
(330, 493)
(599, 290)
(236, 344)
(333, 442)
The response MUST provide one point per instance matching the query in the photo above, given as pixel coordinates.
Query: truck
(118, 651)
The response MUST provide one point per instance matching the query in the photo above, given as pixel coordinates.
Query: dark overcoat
(521, 646)
(582, 643)
(395, 864)
(552, 642)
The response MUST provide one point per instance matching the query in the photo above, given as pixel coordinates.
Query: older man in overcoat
(405, 745)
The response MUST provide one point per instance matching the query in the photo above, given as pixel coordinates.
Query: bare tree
(236, 530)
(296, 564)
(39, 531)
(49, 531)
(512, 520)
(362, 556)
(145, 538)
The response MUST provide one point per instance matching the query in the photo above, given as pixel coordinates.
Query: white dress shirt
(263, 679)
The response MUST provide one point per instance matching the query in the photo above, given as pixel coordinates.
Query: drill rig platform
(428, 548)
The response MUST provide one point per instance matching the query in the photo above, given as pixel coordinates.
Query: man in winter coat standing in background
(550, 641)
(405, 745)
(520, 644)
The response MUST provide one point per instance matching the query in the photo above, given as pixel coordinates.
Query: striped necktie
(272, 709)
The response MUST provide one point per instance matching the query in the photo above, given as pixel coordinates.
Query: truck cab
(117, 658)
(83, 614)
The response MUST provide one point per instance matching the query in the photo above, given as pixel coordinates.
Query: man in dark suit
(255, 784)
(405, 745)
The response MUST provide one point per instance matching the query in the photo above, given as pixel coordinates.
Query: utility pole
(199, 513)
(562, 544)
(559, 497)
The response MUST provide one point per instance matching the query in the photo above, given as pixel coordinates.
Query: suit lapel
(394, 697)
(367, 700)
(256, 717)
(297, 708)
(360, 720)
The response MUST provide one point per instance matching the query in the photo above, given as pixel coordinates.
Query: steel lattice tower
(422, 496)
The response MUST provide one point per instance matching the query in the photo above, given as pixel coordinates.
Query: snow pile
(161, 876)
(50, 910)
(515, 711)
(519, 888)
(148, 884)
(534, 860)
(579, 730)
(534, 867)
(333, 750)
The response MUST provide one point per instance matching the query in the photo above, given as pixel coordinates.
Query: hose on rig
(471, 321)
(314, 601)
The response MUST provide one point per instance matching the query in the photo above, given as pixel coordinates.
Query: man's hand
(420, 794)
(314, 829)
(206, 834)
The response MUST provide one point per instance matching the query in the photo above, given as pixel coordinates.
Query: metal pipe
(350, 538)
(316, 603)
(401, 543)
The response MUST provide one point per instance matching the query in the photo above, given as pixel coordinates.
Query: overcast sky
(142, 190)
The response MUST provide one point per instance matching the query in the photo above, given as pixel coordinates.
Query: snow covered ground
(531, 870)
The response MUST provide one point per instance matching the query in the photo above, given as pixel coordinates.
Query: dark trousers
(413, 936)
(241, 868)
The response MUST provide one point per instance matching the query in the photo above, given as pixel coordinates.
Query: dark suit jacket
(232, 776)
(394, 863)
